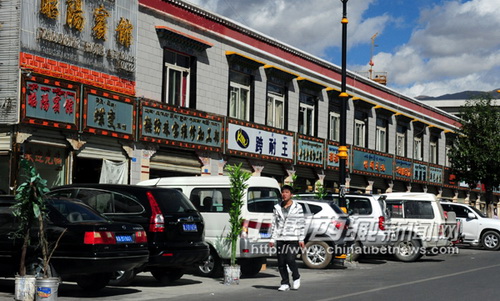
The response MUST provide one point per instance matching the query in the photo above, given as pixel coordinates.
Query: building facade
(130, 90)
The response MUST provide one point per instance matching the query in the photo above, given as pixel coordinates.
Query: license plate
(265, 235)
(124, 238)
(189, 227)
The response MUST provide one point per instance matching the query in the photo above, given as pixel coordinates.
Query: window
(334, 126)
(306, 114)
(447, 155)
(381, 135)
(262, 199)
(433, 150)
(360, 128)
(211, 199)
(239, 96)
(417, 148)
(401, 141)
(275, 106)
(177, 70)
(418, 209)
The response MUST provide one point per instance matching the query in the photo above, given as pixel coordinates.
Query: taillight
(99, 238)
(140, 237)
(381, 223)
(244, 229)
(157, 222)
(338, 224)
(441, 228)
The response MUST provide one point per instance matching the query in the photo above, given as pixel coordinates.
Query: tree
(475, 152)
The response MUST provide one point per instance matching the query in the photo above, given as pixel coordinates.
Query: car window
(460, 211)
(211, 199)
(100, 200)
(395, 209)
(72, 212)
(359, 206)
(418, 209)
(262, 199)
(315, 208)
(173, 201)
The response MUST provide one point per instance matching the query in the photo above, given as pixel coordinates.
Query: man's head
(286, 192)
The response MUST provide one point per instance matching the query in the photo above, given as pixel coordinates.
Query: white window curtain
(113, 172)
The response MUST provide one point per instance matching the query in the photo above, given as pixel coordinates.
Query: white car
(326, 232)
(419, 224)
(477, 228)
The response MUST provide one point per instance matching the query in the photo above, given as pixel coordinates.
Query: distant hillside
(459, 95)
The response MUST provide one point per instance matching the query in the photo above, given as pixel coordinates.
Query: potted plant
(238, 178)
(30, 211)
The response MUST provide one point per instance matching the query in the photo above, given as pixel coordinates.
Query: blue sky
(428, 47)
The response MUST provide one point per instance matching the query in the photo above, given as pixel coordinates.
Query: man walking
(288, 233)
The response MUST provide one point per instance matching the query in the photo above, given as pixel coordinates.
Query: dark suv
(174, 227)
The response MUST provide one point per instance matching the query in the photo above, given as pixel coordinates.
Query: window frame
(271, 109)
(185, 82)
(358, 140)
(334, 132)
(237, 106)
(304, 128)
(417, 148)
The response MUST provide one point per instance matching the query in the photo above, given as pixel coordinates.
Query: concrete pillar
(408, 187)
(140, 165)
(369, 188)
(389, 190)
(257, 170)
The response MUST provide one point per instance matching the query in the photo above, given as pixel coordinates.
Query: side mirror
(471, 215)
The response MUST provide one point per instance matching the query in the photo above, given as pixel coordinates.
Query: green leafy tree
(475, 153)
(320, 191)
(238, 178)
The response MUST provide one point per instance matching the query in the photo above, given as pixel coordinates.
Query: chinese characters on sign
(403, 169)
(368, 162)
(48, 102)
(49, 8)
(109, 114)
(165, 124)
(124, 32)
(259, 141)
(74, 14)
(44, 155)
(310, 151)
(435, 175)
(333, 157)
(419, 172)
(100, 23)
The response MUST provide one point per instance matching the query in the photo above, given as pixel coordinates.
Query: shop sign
(450, 179)
(371, 163)
(263, 142)
(403, 169)
(180, 127)
(419, 172)
(98, 34)
(108, 114)
(50, 102)
(310, 152)
(44, 155)
(435, 175)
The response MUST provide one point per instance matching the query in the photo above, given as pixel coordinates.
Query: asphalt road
(471, 274)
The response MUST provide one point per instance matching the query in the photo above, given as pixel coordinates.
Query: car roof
(115, 187)
(421, 196)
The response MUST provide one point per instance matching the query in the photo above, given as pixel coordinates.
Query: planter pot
(25, 288)
(47, 288)
(232, 274)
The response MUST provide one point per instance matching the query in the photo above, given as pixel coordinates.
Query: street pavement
(471, 274)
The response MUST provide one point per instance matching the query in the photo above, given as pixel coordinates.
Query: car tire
(491, 240)
(407, 249)
(93, 282)
(167, 276)
(211, 266)
(251, 266)
(356, 252)
(317, 255)
(122, 278)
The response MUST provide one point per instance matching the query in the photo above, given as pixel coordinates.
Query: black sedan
(91, 249)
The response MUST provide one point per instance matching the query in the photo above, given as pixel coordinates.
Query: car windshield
(74, 212)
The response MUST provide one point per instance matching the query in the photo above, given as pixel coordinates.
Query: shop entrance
(87, 170)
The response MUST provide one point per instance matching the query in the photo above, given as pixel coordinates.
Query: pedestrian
(287, 234)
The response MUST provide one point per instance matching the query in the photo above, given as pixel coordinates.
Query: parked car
(419, 224)
(211, 195)
(91, 249)
(173, 225)
(326, 229)
(478, 230)
(368, 217)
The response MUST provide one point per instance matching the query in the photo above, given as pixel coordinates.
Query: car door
(470, 225)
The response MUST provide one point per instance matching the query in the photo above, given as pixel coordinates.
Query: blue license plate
(124, 238)
(190, 227)
(265, 235)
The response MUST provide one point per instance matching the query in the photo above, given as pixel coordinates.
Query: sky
(427, 47)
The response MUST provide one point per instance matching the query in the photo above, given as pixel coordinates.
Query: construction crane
(379, 77)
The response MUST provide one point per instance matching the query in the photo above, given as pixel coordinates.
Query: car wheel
(252, 266)
(491, 240)
(407, 249)
(93, 282)
(211, 266)
(122, 278)
(166, 276)
(317, 255)
(356, 251)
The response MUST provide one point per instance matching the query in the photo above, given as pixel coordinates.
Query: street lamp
(344, 97)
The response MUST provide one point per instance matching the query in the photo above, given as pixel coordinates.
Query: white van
(210, 195)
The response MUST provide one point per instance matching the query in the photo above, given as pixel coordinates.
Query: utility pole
(344, 97)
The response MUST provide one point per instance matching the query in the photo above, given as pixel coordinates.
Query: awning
(238, 58)
(165, 32)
